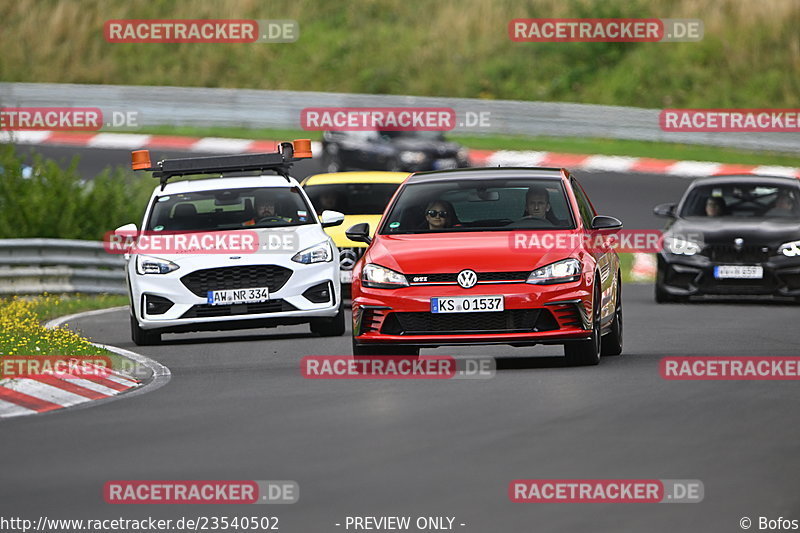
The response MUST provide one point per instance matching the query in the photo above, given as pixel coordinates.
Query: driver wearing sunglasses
(439, 214)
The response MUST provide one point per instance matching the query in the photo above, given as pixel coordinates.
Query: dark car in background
(395, 151)
(732, 235)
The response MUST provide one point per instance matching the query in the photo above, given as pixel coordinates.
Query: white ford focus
(231, 252)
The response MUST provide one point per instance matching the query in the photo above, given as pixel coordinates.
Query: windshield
(351, 198)
(226, 209)
(744, 200)
(479, 205)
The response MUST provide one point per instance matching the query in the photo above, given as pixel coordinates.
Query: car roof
(212, 184)
(544, 173)
(355, 177)
(745, 178)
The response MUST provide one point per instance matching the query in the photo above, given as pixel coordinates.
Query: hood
(337, 233)
(765, 232)
(491, 251)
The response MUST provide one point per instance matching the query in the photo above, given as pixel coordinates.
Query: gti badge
(467, 278)
(738, 243)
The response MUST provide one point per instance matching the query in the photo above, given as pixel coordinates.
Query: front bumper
(694, 276)
(534, 314)
(190, 312)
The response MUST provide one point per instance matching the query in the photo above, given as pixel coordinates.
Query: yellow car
(361, 196)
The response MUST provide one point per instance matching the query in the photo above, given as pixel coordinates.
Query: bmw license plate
(441, 164)
(467, 304)
(739, 272)
(238, 296)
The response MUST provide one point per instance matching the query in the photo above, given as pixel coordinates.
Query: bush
(56, 202)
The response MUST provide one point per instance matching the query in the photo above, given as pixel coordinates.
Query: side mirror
(602, 222)
(359, 233)
(331, 218)
(665, 210)
(127, 229)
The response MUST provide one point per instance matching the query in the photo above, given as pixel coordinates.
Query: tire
(612, 341)
(143, 337)
(329, 327)
(359, 350)
(587, 353)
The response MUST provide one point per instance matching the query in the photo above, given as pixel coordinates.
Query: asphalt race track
(237, 407)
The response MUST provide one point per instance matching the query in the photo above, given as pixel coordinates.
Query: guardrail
(33, 266)
(248, 108)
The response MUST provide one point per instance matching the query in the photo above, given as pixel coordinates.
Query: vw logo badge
(738, 243)
(467, 278)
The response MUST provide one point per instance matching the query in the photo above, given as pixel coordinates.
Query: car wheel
(143, 337)
(612, 341)
(329, 327)
(587, 352)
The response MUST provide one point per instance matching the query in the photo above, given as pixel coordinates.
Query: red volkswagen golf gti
(513, 256)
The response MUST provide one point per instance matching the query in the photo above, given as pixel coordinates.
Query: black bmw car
(395, 151)
(732, 235)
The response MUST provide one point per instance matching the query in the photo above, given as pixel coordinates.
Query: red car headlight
(562, 271)
(378, 277)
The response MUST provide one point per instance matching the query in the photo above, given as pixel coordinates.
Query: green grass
(461, 48)
(47, 308)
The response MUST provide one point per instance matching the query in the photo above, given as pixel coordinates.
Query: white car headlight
(412, 157)
(319, 253)
(559, 272)
(146, 264)
(463, 154)
(378, 277)
(790, 249)
(681, 246)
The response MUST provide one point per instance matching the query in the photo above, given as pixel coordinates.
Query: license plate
(467, 304)
(445, 163)
(238, 296)
(346, 276)
(738, 272)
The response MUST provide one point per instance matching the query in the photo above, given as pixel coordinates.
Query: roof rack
(280, 161)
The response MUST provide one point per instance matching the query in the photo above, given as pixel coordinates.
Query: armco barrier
(249, 108)
(33, 266)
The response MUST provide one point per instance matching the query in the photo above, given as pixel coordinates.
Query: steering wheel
(270, 219)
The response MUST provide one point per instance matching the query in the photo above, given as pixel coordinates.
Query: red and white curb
(591, 163)
(42, 394)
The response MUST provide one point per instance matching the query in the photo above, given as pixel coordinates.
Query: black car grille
(239, 277)
(271, 306)
(728, 253)
(518, 276)
(509, 321)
